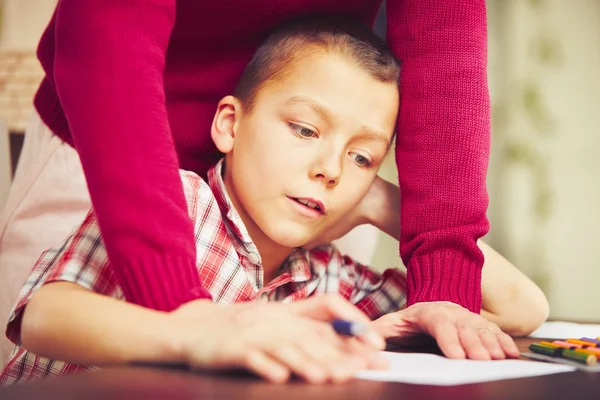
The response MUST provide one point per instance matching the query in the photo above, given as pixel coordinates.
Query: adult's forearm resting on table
(108, 75)
(66, 322)
(442, 145)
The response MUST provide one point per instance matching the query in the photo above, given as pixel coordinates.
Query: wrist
(182, 327)
(374, 203)
(172, 342)
(382, 209)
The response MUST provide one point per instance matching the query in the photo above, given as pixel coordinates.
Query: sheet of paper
(431, 369)
(566, 330)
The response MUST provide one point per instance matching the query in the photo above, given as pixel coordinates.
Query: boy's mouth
(310, 203)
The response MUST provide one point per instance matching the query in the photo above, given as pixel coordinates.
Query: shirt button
(253, 258)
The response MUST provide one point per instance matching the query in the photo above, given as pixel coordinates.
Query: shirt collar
(217, 186)
(297, 264)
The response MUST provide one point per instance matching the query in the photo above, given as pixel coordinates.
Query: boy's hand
(458, 332)
(275, 340)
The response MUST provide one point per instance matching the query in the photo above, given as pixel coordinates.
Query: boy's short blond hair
(327, 33)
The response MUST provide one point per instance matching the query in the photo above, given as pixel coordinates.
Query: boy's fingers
(322, 354)
(265, 366)
(374, 359)
(298, 362)
(340, 366)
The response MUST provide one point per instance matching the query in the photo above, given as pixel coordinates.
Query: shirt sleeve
(81, 259)
(373, 293)
(442, 147)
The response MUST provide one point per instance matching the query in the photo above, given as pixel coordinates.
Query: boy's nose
(329, 180)
(328, 170)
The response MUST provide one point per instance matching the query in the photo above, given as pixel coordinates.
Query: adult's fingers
(490, 341)
(508, 345)
(471, 343)
(446, 335)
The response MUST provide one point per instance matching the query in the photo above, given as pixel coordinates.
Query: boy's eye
(303, 131)
(360, 160)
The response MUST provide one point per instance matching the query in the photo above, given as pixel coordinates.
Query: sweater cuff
(162, 283)
(445, 276)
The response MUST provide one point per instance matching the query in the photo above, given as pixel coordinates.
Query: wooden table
(144, 383)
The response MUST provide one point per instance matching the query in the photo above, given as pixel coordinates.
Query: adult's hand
(458, 332)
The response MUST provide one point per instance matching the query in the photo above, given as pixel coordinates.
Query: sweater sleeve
(443, 145)
(109, 64)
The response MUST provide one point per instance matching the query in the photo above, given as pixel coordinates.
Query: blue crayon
(348, 328)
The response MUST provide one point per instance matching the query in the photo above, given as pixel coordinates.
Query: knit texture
(133, 85)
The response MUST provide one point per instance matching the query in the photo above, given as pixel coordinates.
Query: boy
(312, 119)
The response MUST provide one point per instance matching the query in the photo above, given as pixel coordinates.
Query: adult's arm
(110, 57)
(443, 145)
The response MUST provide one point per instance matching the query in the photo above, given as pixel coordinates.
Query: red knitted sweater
(133, 85)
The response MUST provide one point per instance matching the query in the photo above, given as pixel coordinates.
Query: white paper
(431, 369)
(566, 330)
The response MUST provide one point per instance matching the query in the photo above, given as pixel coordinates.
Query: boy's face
(308, 151)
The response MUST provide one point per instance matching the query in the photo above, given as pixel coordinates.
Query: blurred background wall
(543, 177)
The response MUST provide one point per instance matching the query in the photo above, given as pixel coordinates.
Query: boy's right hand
(276, 340)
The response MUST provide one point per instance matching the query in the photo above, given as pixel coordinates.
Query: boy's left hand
(459, 333)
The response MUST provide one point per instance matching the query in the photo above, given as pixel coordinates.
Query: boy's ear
(229, 111)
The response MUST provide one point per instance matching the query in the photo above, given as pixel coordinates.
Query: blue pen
(348, 328)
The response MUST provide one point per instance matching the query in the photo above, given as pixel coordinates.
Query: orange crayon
(566, 345)
(581, 342)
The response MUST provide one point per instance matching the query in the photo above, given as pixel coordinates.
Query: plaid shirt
(228, 263)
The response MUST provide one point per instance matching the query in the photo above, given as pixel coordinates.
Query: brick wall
(20, 76)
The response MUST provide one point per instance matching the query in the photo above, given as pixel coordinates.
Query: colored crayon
(567, 345)
(545, 350)
(578, 355)
(589, 350)
(581, 342)
(558, 343)
(573, 346)
(587, 339)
